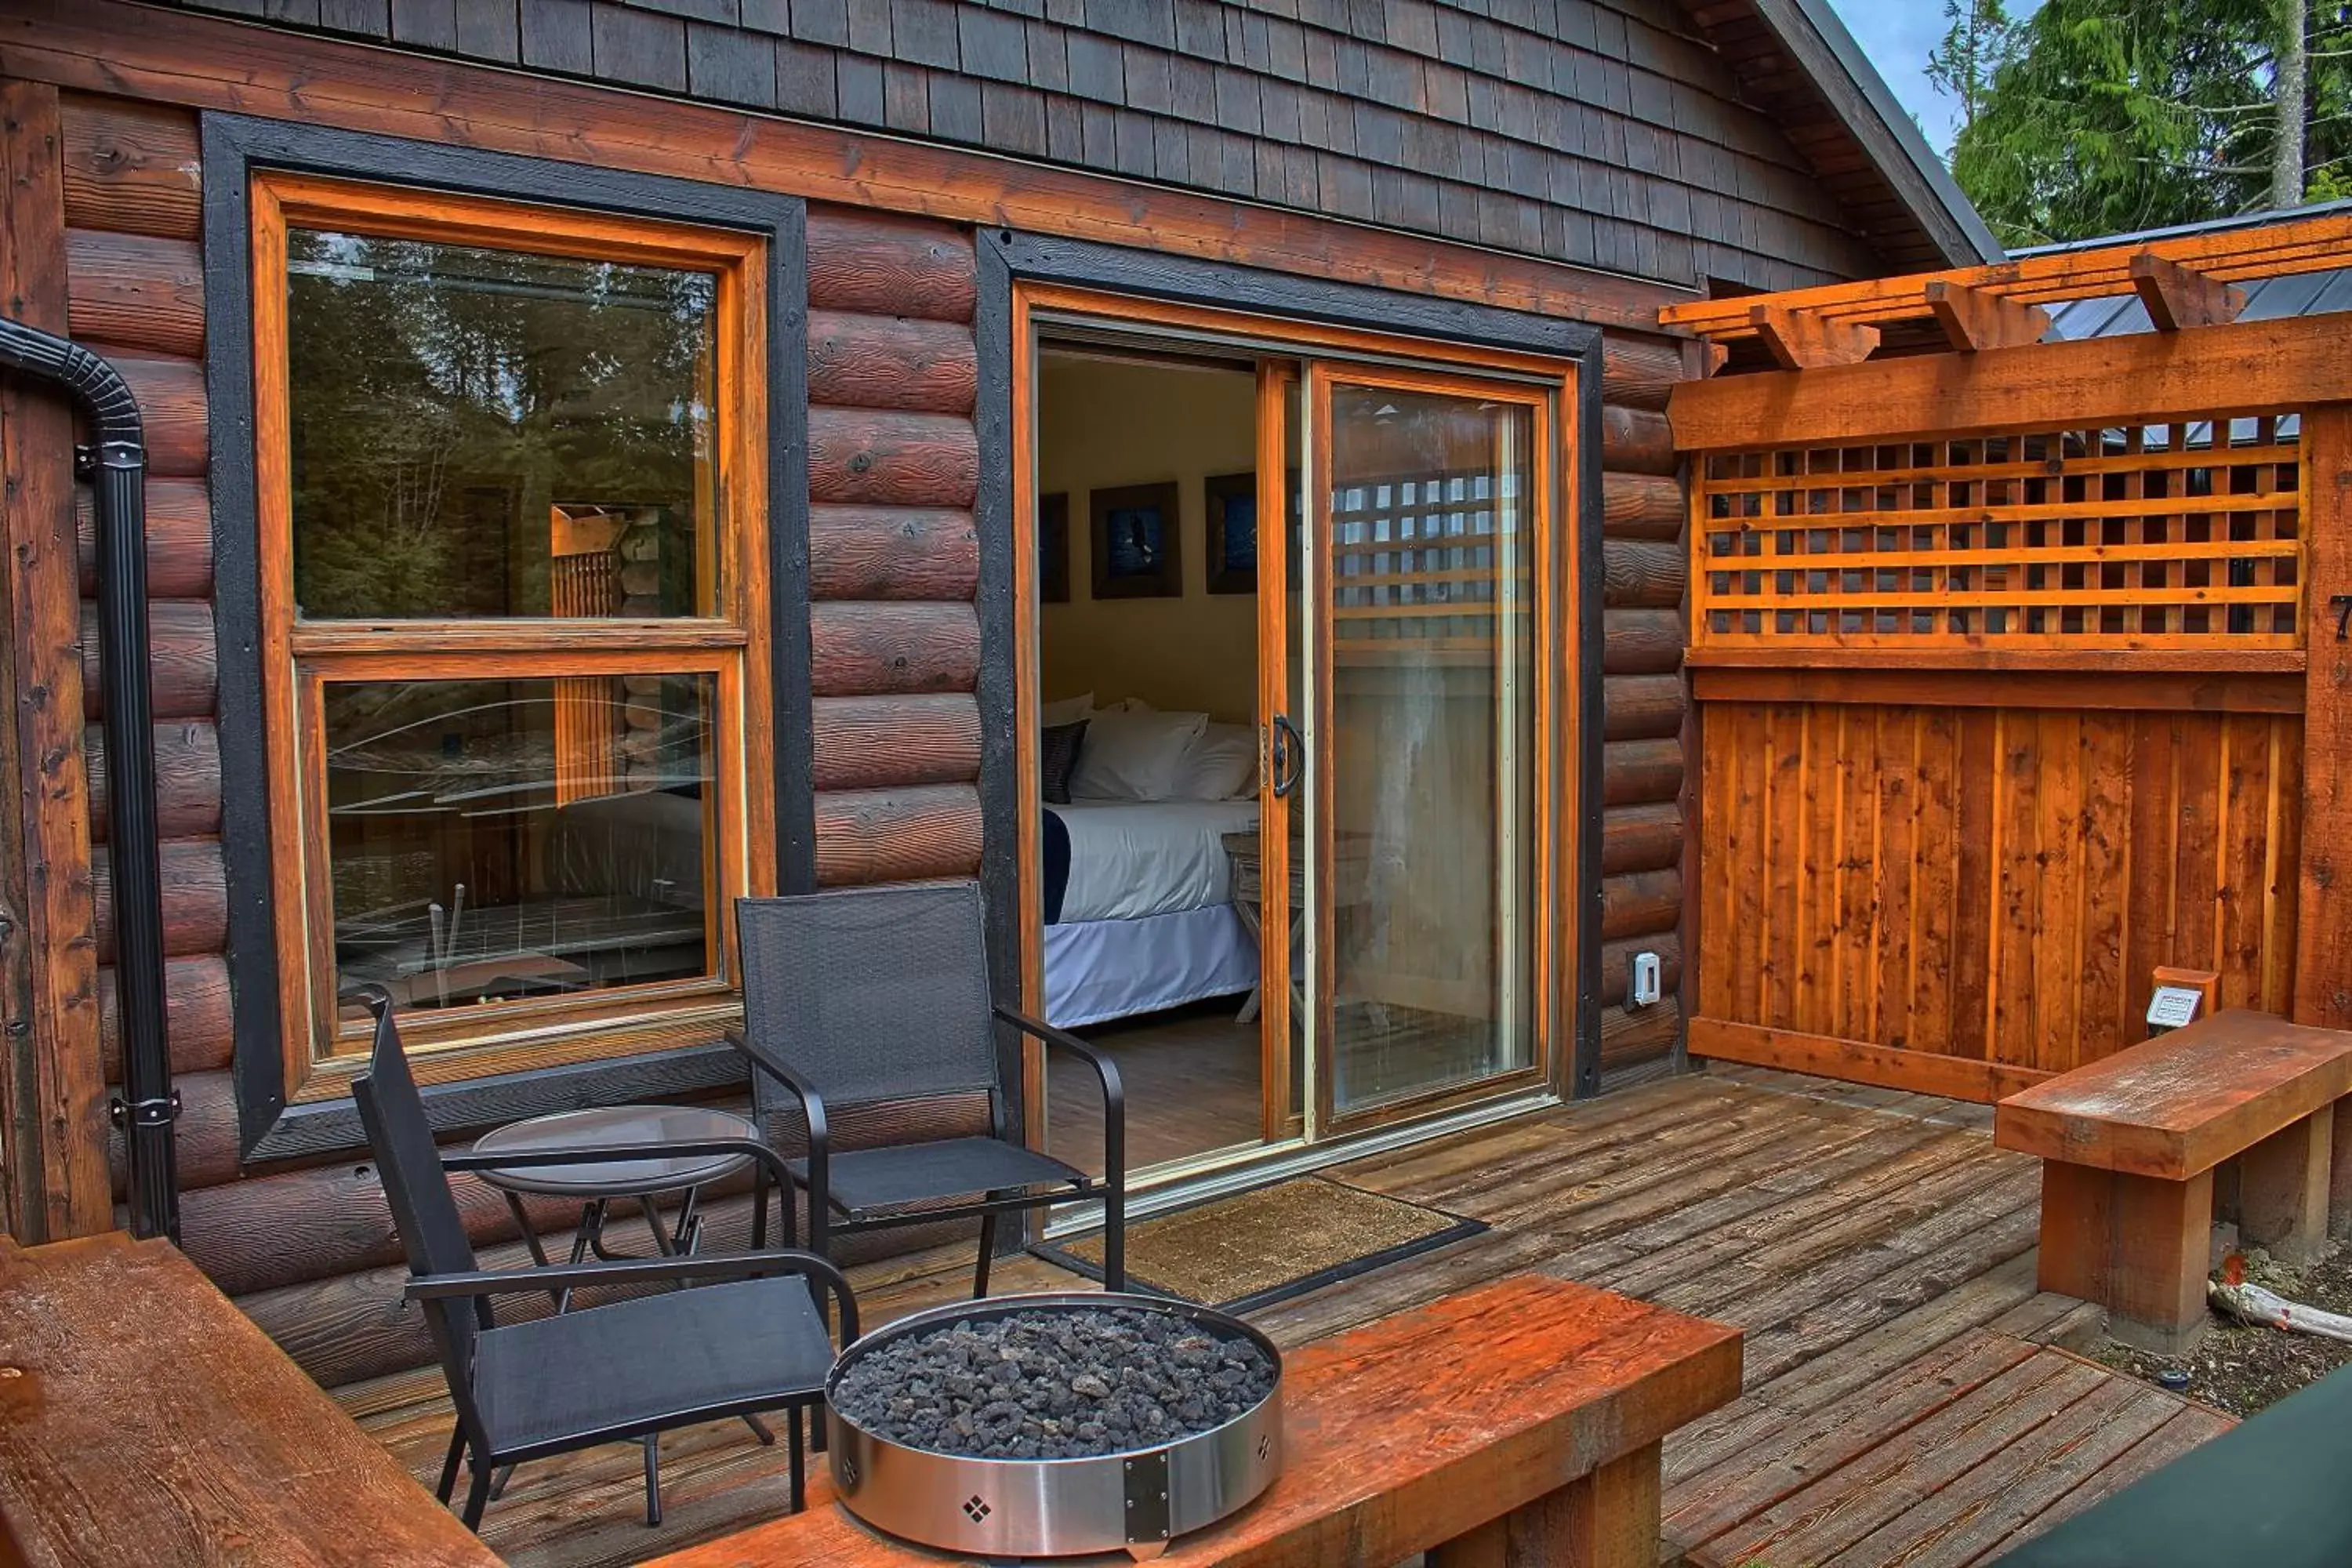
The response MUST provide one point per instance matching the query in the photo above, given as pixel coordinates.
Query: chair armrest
(642, 1271)
(771, 1163)
(1114, 1092)
(820, 1139)
(812, 1103)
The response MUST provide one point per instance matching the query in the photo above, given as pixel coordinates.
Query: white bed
(1130, 859)
(1146, 919)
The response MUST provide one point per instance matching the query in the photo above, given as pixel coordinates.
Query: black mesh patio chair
(633, 1369)
(877, 994)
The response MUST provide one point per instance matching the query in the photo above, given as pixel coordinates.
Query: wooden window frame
(298, 658)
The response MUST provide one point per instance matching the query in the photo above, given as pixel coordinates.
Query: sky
(1897, 35)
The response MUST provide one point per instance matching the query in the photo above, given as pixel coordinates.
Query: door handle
(1290, 755)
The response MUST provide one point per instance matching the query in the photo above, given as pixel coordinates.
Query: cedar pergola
(2184, 281)
(2021, 663)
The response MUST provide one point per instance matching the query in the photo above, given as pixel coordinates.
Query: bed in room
(1138, 888)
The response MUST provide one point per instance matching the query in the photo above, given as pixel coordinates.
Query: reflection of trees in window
(446, 398)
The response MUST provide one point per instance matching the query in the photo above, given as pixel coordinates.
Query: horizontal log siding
(308, 1250)
(134, 287)
(895, 642)
(1644, 574)
(894, 563)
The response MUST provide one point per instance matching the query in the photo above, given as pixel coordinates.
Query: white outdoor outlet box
(2171, 1006)
(1642, 985)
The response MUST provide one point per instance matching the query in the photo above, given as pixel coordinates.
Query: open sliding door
(1420, 932)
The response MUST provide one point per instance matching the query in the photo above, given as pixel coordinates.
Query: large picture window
(508, 466)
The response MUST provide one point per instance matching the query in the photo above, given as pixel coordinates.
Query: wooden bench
(2129, 1144)
(144, 1419)
(1519, 1422)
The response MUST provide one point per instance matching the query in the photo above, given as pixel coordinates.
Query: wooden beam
(204, 62)
(1801, 340)
(1859, 1061)
(1986, 653)
(2122, 689)
(2323, 948)
(2143, 377)
(2178, 297)
(1973, 320)
(50, 1072)
(2310, 245)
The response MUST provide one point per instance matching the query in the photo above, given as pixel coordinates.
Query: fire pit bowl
(1152, 1472)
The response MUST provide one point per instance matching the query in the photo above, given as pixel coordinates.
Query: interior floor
(1191, 1076)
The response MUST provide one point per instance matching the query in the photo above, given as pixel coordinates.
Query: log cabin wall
(894, 560)
(308, 1250)
(310, 1253)
(1642, 697)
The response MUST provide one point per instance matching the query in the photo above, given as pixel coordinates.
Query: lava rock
(1052, 1384)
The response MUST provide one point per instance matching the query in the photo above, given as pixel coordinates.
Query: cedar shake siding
(1606, 133)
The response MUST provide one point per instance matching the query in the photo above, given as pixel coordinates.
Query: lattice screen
(1417, 558)
(2145, 536)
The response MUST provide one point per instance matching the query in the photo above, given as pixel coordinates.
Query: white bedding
(1132, 859)
(1100, 970)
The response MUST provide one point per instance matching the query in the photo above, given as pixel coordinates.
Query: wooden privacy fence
(2018, 678)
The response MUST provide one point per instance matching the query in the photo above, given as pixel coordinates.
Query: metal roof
(2267, 299)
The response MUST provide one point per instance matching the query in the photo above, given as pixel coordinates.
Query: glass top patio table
(609, 1126)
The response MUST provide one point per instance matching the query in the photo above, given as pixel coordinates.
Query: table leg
(664, 1242)
(587, 1239)
(1249, 914)
(1606, 1520)
(531, 1239)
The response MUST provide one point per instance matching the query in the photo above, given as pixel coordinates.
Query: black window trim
(1007, 257)
(233, 147)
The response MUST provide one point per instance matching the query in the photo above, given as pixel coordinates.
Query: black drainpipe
(116, 465)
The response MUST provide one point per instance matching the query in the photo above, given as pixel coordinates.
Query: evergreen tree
(1978, 38)
(2102, 116)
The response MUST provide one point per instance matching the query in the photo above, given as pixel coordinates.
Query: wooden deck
(1908, 1397)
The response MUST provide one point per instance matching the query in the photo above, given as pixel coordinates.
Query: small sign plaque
(2172, 1006)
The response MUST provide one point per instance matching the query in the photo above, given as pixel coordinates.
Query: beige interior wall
(1103, 424)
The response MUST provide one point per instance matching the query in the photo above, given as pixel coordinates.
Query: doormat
(1268, 1245)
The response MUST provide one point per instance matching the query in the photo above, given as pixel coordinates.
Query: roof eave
(1820, 44)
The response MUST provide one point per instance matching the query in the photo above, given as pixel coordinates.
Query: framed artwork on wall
(1232, 511)
(1135, 537)
(1053, 549)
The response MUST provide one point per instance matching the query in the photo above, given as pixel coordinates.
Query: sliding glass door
(1410, 707)
(1409, 899)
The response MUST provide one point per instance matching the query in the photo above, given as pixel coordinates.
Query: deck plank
(1993, 1502)
(1876, 1246)
(1807, 1446)
(1820, 1520)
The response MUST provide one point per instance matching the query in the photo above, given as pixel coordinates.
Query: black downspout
(116, 465)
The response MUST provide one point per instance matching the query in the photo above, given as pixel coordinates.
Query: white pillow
(1222, 764)
(1069, 710)
(1134, 757)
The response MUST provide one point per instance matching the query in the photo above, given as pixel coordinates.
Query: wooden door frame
(1148, 289)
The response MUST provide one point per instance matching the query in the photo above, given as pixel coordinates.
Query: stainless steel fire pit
(1137, 1499)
